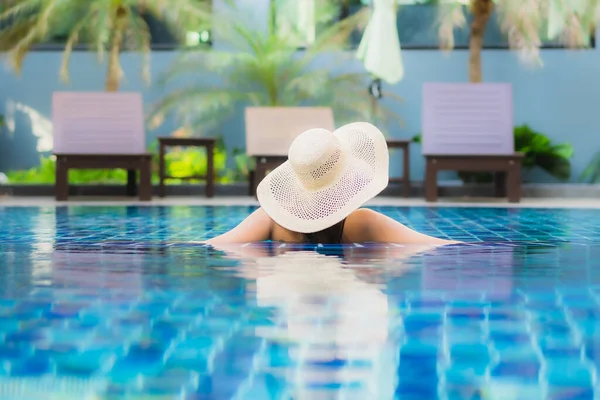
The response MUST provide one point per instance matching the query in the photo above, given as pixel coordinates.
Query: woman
(315, 196)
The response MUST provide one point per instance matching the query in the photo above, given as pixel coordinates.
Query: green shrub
(539, 152)
(179, 163)
(591, 174)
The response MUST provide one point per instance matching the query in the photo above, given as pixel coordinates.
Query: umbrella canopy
(379, 48)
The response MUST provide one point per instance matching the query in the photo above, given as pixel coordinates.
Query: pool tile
(568, 373)
(131, 301)
(523, 370)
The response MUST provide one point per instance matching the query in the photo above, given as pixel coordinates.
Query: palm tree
(264, 67)
(525, 22)
(104, 25)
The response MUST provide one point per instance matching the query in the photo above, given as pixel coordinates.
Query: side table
(404, 145)
(264, 164)
(207, 143)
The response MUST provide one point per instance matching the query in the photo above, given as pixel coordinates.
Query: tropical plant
(542, 153)
(525, 22)
(591, 174)
(539, 152)
(104, 25)
(258, 68)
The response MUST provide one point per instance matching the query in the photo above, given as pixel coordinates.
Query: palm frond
(591, 174)
(20, 9)
(335, 38)
(213, 61)
(11, 34)
(451, 15)
(92, 22)
(138, 37)
(265, 69)
(72, 40)
(521, 20)
(198, 100)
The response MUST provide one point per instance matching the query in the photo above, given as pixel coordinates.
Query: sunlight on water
(115, 302)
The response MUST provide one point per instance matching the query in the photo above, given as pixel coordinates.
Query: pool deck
(13, 201)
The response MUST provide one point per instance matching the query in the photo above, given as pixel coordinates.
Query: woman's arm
(255, 228)
(371, 226)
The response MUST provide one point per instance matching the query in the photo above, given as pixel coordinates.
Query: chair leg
(259, 173)
(251, 186)
(431, 187)
(406, 180)
(500, 184)
(514, 184)
(161, 171)
(210, 171)
(61, 184)
(131, 182)
(145, 191)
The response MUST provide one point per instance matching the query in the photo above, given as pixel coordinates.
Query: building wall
(560, 99)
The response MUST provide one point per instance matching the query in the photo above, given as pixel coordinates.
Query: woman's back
(316, 195)
(331, 235)
(362, 225)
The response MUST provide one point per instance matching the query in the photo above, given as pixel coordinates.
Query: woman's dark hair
(331, 235)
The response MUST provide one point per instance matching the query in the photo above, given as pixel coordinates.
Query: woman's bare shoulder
(371, 226)
(356, 227)
(363, 213)
(255, 228)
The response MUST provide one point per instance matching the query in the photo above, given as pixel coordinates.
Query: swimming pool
(113, 302)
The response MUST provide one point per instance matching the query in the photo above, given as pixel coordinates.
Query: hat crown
(327, 177)
(315, 156)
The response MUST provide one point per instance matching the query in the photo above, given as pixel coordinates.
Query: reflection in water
(118, 303)
(339, 322)
(275, 320)
(335, 325)
(475, 271)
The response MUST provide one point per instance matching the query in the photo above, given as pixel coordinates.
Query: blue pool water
(114, 302)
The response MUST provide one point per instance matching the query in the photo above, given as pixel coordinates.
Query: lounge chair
(100, 130)
(271, 130)
(469, 127)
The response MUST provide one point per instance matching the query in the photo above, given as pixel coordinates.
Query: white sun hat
(328, 175)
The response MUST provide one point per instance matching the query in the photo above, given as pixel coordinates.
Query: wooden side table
(264, 164)
(404, 145)
(506, 167)
(130, 162)
(207, 143)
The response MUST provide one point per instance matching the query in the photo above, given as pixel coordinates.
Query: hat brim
(365, 174)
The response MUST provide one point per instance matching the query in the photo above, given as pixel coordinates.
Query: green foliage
(191, 161)
(539, 152)
(526, 23)
(591, 174)
(25, 23)
(2, 122)
(261, 68)
(44, 173)
(179, 163)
